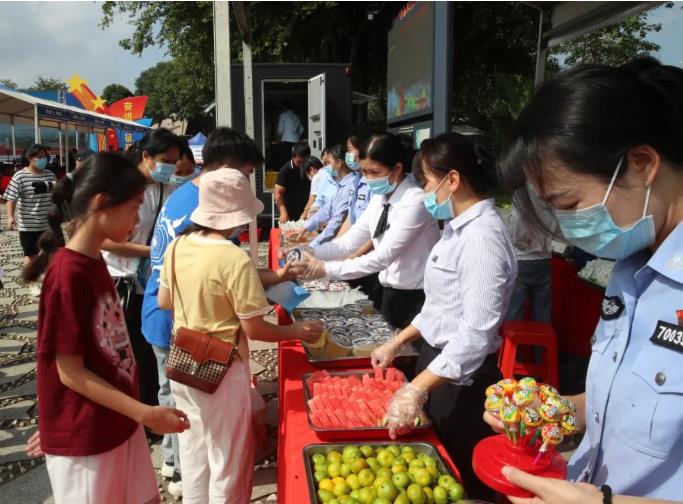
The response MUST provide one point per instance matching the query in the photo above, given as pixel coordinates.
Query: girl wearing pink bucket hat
(217, 291)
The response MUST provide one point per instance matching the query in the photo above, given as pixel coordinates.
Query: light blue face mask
(331, 171)
(41, 163)
(350, 160)
(440, 211)
(380, 185)
(162, 172)
(178, 180)
(593, 230)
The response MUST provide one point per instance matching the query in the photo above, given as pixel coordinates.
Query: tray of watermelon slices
(344, 404)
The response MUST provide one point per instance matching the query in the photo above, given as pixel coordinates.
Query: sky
(60, 39)
(670, 38)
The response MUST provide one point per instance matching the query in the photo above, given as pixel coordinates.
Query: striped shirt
(32, 209)
(468, 281)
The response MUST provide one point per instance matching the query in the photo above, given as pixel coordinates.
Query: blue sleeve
(340, 208)
(321, 216)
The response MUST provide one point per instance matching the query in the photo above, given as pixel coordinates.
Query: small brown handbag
(197, 359)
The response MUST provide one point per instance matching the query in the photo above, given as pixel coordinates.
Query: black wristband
(606, 494)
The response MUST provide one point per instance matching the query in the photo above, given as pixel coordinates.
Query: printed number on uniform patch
(612, 306)
(668, 336)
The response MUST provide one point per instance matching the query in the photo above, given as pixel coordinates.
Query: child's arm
(77, 377)
(11, 206)
(126, 249)
(258, 329)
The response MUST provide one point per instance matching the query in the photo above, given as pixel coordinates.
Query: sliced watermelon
(376, 407)
(379, 374)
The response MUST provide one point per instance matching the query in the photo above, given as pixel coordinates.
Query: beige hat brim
(227, 220)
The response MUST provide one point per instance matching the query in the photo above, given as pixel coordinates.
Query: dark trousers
(371, 287)
(400, 306)
(456, 413)
(144, 354)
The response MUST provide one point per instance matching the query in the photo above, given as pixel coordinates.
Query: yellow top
(217, 284)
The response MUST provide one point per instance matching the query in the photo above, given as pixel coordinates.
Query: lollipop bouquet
(536, 419)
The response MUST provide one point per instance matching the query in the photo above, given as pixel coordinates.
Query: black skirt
(456, 412)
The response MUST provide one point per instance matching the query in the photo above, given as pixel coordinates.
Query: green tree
(115, 92)
(48, 84)
(612, 45)
(293, 32)
(9, 83)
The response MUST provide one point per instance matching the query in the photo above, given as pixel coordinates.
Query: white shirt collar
(472, 213)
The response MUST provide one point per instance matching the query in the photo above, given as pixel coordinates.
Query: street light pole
(221, 57)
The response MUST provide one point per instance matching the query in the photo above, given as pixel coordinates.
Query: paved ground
(25, 481)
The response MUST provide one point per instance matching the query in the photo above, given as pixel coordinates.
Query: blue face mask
(178, 180)
(331, 171)
(351, 162)
(40, 163)
(162, 172)
(593, 230)
(440, 211)
(380, 185)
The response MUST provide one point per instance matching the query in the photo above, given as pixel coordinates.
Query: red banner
(130, 109)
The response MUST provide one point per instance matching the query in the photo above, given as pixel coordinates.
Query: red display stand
(496, 452)
(294, 433)
(274, 249)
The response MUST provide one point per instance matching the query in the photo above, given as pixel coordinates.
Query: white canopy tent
(21, 108)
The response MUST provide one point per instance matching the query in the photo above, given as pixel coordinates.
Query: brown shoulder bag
(196, 358)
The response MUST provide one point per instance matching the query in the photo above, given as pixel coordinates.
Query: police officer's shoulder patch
(611, 308)
(361, 197)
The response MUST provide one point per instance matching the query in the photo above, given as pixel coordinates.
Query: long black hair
(452, 151)
(104, 173)
(588, 117)
(154, 142)
(386, 149)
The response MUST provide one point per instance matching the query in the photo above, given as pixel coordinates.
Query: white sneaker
(175, 487)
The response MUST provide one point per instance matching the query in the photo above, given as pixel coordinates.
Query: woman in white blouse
(401, 230)
(468, 282)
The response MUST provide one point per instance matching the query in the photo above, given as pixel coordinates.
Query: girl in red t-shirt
(91, 421)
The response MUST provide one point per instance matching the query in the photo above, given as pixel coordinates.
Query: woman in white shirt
(155, 155)
(468, 282)
(401, 230)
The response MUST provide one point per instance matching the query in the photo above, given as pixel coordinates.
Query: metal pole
(59, 135)
(14, 140)
(36, 126)
(221, 57)
(443, 66)
(67, 154)
(249, 126)
(77, 135)
(541, 48)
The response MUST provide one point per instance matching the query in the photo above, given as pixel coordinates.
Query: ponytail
(104, 173)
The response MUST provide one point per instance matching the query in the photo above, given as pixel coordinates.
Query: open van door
(316, 114)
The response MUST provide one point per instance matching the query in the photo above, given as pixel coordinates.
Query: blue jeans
(170, 449)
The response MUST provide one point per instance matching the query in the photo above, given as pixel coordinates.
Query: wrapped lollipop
(495, 389)
(522, 397)
(552, 436)
(550, 413)
(568, 424)
(529, 383)
(530, 418)
(567, 406)
(557, 402)
(509, 386)
(493, 403)
(510, 416)
(545, 391)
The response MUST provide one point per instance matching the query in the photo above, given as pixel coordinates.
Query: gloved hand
(315, 268)
(404, 408)
(290, 271)
(383, 356)
(296, 235)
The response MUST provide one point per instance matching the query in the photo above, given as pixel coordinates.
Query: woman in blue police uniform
(604, 146)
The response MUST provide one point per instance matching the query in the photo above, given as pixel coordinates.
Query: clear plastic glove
(296, 235)
(404, 408)
(383, 356)
(315, 268)
(290, 272)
